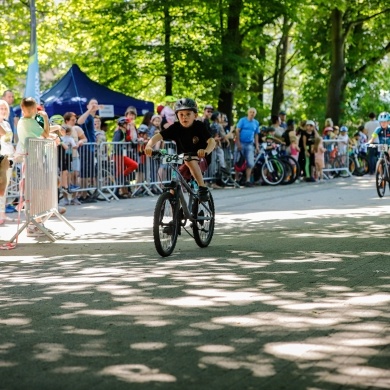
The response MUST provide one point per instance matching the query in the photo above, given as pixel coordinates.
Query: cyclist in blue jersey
(383, 131)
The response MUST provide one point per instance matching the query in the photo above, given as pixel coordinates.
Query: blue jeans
(248, 149)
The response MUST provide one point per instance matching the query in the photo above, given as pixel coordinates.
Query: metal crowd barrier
(336, 162)
(40, 184)
(103, 169)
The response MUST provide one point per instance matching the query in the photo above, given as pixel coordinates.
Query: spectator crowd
(82, 143)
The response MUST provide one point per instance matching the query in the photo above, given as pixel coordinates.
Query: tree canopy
(312, 58)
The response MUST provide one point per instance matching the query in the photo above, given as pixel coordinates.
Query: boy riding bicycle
(191, 137)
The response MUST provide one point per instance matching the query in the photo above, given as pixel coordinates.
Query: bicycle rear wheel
(380, 178)
(272, 171)
(203, 226)
(291, 169)
(165, 224)
(363, 162)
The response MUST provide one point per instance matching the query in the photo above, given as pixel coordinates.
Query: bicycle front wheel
(165, 224)
(203, 225)
(380, 178)
(272, 171)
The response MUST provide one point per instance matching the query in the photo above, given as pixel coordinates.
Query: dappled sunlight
(296, 298)
(137, 373)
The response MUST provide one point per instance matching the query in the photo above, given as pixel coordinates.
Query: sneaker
(33, 231)
(63, 202)
(76, 202)
(73, 187)
(249, 184)
(10, 209)
(88, 199)
(311, 180)
(203, 194)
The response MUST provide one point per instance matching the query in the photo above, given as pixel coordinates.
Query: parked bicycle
(358, 163)
(270, 168)
(179, 204)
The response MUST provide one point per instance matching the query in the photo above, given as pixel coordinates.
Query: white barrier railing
(336, 158)
(40, 184)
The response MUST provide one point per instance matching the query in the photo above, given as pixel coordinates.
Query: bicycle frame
(179, 193)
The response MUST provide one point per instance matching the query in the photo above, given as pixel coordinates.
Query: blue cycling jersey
(383, 134)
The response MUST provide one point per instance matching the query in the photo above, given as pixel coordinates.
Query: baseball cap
(282, 113)
(343, 128)
(309, 122)
(208, 107)
(143, 129)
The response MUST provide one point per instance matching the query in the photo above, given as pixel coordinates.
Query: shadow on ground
(289, 303)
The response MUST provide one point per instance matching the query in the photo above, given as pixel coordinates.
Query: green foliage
(137, 46)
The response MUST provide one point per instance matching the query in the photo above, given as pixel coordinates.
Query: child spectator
(155, 125)
(319, 157)
(293, 150)
(363, 132)
(28, 127)
(124, 165)
(342, 143)
(65, 153)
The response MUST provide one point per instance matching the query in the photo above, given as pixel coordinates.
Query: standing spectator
(79, 137)
(371, 126)
(124, 165)
(167, 113)
(155, 125)
(328, 126)
(28, 127)
(87, 152)
(65, 156)
(131, 133)
(247, 138)
(8, 96)
(206, 118)
(147, 118)
(342, 144)
(319, 157)
(282, 119)
(289, 132)
(363, 140)
(7, 149)
(221, 142)
(308, 138)
(275, 123)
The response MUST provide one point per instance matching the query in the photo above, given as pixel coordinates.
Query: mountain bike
(382, 171)
(269, 167)
(179, 204)
(358, 163)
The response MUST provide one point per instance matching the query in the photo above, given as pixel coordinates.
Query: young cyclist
(383, 131)
(191, 136)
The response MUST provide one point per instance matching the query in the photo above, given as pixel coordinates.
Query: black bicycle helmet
(186, 104)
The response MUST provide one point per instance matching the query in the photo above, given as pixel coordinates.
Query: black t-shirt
(188, 139)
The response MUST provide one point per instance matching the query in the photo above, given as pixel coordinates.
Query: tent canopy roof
(73, 91)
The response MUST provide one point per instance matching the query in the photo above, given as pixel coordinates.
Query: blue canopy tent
(73, 91)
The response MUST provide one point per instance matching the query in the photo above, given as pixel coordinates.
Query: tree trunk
(167, 51)
(231, 49)
(280, 68)
(337, 70)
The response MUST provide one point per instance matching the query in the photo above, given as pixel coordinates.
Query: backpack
(240, 164)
